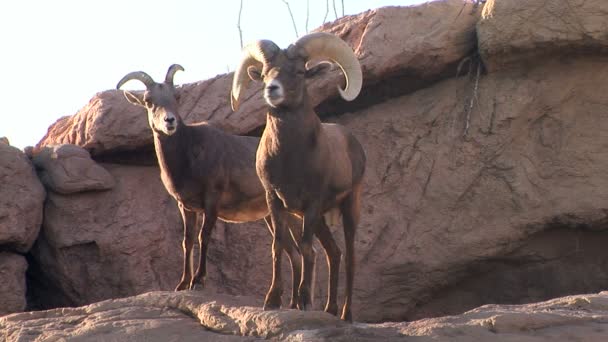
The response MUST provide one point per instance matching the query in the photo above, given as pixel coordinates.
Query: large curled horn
(256, 54)
(321, 45)
(171, 72)
(137, 75)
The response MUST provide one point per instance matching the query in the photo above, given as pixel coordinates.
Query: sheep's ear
(318, 69)
(136, 99)
(254, 73)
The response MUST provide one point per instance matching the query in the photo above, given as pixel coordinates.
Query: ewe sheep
(210, 173)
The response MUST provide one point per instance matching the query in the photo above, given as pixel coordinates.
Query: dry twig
(326, 11)
(238, 24)
(307, 13)
(335, 11)
(292, 19)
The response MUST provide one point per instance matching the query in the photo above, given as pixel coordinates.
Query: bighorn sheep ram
(307, 168)
(210, 173)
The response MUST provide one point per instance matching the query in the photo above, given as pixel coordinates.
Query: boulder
(203, 316)
(68, 169)
(417, 45)
(21, 200)
(429, 51)
(12, 283)
(100, 245)
(513, 32)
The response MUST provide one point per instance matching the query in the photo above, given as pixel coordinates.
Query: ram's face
(284, 82)
(284, 78)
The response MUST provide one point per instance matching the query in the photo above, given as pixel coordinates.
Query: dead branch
(291, 15)
(238, 24)
(335, 11)
(307, 13)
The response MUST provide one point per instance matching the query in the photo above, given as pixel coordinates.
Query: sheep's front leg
(203, 241)
(333, 254)
(278, 219)
(189, 220)
(312, 215)
(293, 254)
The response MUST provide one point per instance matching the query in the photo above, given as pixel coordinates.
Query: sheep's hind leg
(350, 218)
(189, 220)
(293, 253)
(333, 254)
(311, 219)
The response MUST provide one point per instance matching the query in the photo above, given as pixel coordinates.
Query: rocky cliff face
(21, 197)
(485, 179)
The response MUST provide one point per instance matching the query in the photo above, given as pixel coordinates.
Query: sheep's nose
(169, 120)
(272, 87)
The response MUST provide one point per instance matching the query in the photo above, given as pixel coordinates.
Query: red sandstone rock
(67, 169)
(513, 32)
(12, 283)
(21, 200)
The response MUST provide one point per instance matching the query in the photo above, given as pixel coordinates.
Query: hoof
(272, 301)
(304, 301)
(197, 284)
(347, 317)
(197, 287)
(271, 306)
(183, 285)
(332, 309)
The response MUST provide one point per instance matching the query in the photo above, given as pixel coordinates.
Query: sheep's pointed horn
(137, 75)
(171, 72)
(255, 54)
(321, 45)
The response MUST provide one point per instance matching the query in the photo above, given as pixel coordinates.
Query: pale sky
(55, 55)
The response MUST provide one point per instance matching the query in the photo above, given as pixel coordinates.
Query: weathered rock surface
(196, 316)
(21, 200)
(68, 169)
(442, 210)
(576, 318)
(100, 245)
(414, 46)
(109, 123)
(125, 241)
(511, 32)
(12, 283)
